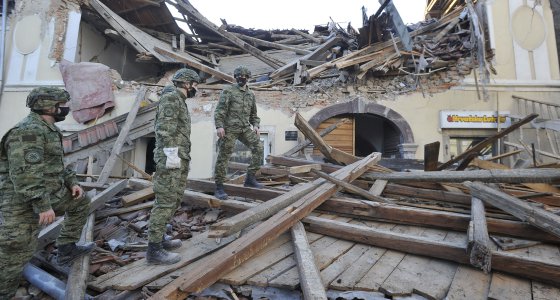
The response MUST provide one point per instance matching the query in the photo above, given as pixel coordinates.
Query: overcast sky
(300, 14)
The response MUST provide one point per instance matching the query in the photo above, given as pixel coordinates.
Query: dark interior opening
(376, 134)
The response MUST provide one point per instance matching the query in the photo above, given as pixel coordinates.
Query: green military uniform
(173, 129)
(236, 111)
(33, 180)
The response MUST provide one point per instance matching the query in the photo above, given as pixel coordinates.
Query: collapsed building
(474, 86)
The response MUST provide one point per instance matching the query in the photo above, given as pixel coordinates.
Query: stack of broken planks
(476, 234)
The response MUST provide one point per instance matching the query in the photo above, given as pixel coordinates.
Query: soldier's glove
(173, 161)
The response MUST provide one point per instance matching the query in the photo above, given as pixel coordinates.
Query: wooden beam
(123, 134)
(309, 277)
(491, 176)
(329, 152)
(478, 246)
(539, 187)
(262, 56)
(138, 197)
(351, 188)
(265, 210)
(487, 141)
(543, 271)
(322, 133)
(291, 67)
(536, 216)
(79, 271)
(271, 45)
(231, 256)
(431, 154)
(192, 63)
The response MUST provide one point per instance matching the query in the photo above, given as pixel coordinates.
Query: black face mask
(242, 81)
(61, 113)
(191, 92)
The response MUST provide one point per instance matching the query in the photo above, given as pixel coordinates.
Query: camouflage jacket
(172, 124)
(237, 108)
(31, 162)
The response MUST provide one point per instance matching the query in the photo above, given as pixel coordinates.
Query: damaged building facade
(445, 80)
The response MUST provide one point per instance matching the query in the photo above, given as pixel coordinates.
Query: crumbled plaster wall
(48, 10)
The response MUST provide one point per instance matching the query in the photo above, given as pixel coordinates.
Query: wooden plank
(407, 275)
(79, 271)
(350, 277)
(478, 246)
(239, 251)
(288, 263)
(309, 277)
(343, 262)
(114, 212)
(504, 286)
(489, 140)
(543, 291)
(123, 134)
(139, 273)
(547, 272)
(469, 284)
(278, 250)
(377, 187)
(536, 216)
(49, 233)
(138, 197)
(431, 155)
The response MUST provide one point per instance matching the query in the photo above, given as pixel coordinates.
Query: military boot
(219, 193)
(69, 252)
(251, 181)
(156, 255)
(170, 243)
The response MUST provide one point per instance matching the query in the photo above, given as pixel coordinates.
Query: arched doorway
(373, 128)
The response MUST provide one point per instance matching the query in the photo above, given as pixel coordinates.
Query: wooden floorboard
(507, 287)
(342, 263)
(469, 283)
(543, 291)
(352, 275)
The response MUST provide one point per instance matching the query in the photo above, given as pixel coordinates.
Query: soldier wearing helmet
(236, 119)
(172, 157)
(36, 187)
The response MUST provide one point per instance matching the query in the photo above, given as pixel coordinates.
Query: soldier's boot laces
(170, 243)
(156, 255)
(219, 193)
(251, 181)
(69, 252)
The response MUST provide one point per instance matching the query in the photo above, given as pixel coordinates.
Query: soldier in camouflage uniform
(236, 119)
(36, 187)
(172, 157)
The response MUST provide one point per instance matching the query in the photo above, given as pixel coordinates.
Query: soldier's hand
(256, 130)
(220, 132)
(46, 217)
(77, 192)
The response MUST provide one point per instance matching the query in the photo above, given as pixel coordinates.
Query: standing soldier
(172, 157)
(36, 187)
(236, 119)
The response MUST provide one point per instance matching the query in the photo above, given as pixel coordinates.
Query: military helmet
(185, 75)
(46, 97)
(241, 70)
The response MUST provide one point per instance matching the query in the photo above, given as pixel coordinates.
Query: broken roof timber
(138, 39)
(271, 61)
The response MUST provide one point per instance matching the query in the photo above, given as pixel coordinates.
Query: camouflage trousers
(249, 139)
(169, 186)
(20, 229)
